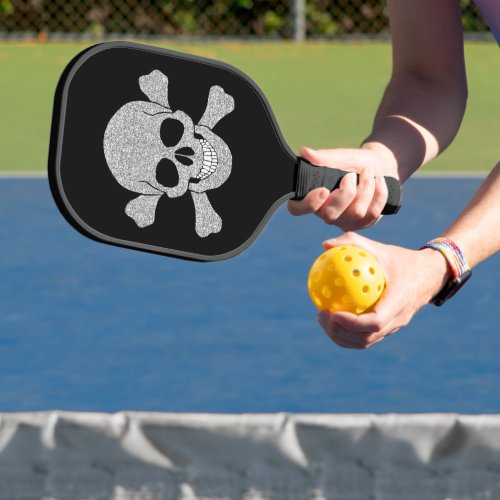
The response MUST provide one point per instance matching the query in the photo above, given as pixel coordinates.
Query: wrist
(386, 157)
(457, 264)
(437, 272)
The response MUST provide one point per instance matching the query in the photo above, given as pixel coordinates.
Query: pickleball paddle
(172, 153)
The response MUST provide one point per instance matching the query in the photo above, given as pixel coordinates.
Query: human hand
(351, 206)
(413, 278)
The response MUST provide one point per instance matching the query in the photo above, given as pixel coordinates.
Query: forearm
(424, 103)
(416, 120)
(477, 230)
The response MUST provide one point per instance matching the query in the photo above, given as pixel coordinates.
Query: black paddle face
(164, 152)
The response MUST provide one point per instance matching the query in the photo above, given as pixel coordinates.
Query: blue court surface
(90, 327)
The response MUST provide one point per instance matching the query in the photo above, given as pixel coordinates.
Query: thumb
(349, 238)
(377, 249)
(311, 155)
(338, 157)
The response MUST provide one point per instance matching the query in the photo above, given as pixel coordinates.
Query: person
(418, 117)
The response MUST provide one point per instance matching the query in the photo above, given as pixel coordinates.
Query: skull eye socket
(166, 173)
(171, 132)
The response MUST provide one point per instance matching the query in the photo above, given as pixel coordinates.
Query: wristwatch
(460, 270)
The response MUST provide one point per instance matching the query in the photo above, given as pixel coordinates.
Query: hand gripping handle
(309, 177)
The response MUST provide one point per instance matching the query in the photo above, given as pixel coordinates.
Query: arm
(419, 114)
(415, 277)
(424, 103)
(477, 230)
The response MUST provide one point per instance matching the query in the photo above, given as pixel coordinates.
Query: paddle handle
(309, 177)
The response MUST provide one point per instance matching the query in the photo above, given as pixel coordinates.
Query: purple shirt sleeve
(490, 9)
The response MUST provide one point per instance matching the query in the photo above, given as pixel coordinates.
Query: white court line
(23, 175)
(453, 174)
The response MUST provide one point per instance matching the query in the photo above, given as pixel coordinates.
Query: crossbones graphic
(138, 149)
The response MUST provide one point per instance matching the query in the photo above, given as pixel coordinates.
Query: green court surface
(323, 94)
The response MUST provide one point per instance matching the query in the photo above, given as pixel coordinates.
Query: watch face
(451, 288)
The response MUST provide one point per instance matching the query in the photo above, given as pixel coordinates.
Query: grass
(323, 94)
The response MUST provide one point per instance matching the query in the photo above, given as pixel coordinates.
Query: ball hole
(366, 289)
(356, 273)
(362, 254)
(372, 270)
(327, 293)
(348, 258)
(317, 300)
(379, 288)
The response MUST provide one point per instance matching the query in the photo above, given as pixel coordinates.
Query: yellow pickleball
(346, 278)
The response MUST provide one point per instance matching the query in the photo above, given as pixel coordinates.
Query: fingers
(368, 323)
(364, 195)
(365, 207)
(366, 210)
(339, 337)
(380, 196)
(320, 197)
(316, 198)
(336, 203)
(310, 204)
(347, 206)
(352, 340)
(356, 204)
(346, 338)
(355, 332)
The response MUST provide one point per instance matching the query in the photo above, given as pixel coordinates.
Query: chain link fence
(284, 19)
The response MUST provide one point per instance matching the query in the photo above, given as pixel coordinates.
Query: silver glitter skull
(142, 140)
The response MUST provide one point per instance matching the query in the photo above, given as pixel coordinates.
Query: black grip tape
(309, 177)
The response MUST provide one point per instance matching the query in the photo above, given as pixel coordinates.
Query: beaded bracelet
(452, 254)
(460, 269)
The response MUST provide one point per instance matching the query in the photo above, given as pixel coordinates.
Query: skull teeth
(210, 160)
